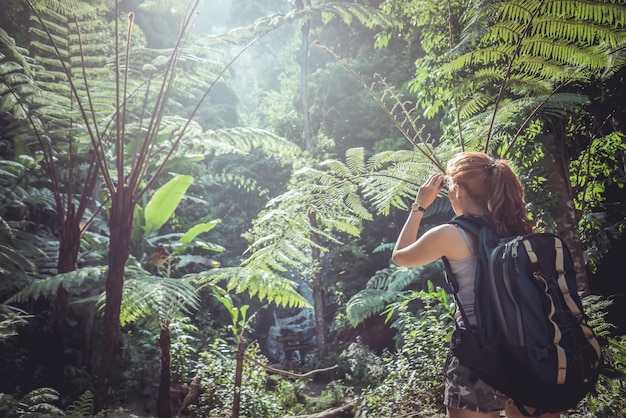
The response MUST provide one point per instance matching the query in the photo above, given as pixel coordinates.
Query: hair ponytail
(506, 200)
(493, 184)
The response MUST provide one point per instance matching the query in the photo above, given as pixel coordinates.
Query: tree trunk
(164, 409)
(319, 298)
(120, 226)
(69, 246)
(193, 396)
(565, 215)
(241, 350)
(304, 76)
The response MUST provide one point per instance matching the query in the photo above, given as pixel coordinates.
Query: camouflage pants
(462, 393)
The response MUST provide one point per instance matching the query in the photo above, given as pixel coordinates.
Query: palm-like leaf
(72, 281)
(531, 48)
(385, 287)
(156, 297)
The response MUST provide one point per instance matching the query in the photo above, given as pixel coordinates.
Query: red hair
(492, 183)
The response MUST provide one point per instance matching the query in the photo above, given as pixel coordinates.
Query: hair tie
(490, 167)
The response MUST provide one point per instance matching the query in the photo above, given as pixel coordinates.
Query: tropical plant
(162, 300)
(240, 324)
(10, 319)
(414, 382)
(36, 403)
(129, 168)
(388, 286)
(510, 72)
(217, 368)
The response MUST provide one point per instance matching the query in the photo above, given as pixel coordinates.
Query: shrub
(414, 384)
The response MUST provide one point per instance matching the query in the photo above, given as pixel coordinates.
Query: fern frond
(370, 17)
(82, 407)
(396, 176)
(387, 286)
(367, 303)
(259, 282)
(157, 297)
(10, 319)
(528, 48)
(38, 402)
(242, 140)
(270, 287)
(47, 288)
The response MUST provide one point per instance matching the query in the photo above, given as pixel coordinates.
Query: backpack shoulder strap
(474, 226)
(471, 224)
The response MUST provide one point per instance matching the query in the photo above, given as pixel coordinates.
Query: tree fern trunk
(69, 245)
(241, 349)
(565, 217)
(120, 226)
(319, 299)
(163, 401)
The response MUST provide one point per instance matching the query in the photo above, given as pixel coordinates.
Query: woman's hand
(428, 191)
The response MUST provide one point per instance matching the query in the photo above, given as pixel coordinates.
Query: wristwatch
(416, 206)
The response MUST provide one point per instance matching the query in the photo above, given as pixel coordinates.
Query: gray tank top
(465, 271)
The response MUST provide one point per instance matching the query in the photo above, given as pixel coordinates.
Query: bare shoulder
(451, 242)
(440, 241)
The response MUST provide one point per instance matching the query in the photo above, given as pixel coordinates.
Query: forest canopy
(198, 200)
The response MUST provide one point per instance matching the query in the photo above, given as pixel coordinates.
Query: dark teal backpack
(532, 341)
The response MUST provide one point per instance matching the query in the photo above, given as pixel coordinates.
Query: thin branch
(290, 374)
(509, 69)
(157, 115)
(390, 114)
(193, 113)
(529, 118)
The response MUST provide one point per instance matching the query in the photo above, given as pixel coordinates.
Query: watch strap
(417, 207)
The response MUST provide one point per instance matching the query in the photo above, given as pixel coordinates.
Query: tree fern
(261, 282)
(82, 407)
(532, 48)
(330, 202)
(159, 298)
(385, 287)
(48, 287)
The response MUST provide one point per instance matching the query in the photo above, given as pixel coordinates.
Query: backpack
(531, 341)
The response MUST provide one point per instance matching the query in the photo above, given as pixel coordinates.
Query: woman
(478, 185)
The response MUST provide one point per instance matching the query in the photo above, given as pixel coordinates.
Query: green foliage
(156, 297)
(38, 403)
(296, 399)
(14, 244)
(500, 52)
(387, 286)
(266, 286)
(363, 367)
(82, 407)
(324, 204)
(414, 383)
(163, 203)
(597, 168)
(217, 368)
(10, 319)
(71, 281)
(610, 399)
(185, 343)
